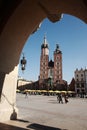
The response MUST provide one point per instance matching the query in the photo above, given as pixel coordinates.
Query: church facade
(50, 71)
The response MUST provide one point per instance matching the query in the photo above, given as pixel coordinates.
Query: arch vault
(18, 20)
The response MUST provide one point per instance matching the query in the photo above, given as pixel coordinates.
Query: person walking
(59, 98)
(26, 95)
(65, 98)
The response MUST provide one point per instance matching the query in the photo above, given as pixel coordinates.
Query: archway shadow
(2, 77)
(21, 120)
(4, 126)
(36, 126)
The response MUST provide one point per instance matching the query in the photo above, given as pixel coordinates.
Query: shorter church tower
(44, 59)
(57, 64)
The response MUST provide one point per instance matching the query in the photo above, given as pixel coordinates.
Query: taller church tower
(57, 65)
(44, 60)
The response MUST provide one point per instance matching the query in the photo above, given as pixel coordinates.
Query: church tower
(44, 59)
(57, 65)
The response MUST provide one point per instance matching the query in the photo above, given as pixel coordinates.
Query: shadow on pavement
(36, 126)
(21, 120)
(56, 102)
(4, 126)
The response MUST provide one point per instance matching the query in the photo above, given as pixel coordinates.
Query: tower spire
(44, 44)
(45, 41)
(57, 50)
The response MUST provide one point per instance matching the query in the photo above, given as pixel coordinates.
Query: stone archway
(18, 22)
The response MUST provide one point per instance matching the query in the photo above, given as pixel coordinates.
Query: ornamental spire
(45, 44)
(57, 46)
(45, 41)
(57, 50)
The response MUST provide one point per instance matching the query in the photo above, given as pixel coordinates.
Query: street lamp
(23, 63)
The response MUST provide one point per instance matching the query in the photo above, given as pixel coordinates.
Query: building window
(82, 85)
(78, 85)
(81, 79)
(81, 75)
(78, 90)
(58, 77)
(77, 80)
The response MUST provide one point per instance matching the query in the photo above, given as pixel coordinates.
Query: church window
(56, 58)
(58, 77)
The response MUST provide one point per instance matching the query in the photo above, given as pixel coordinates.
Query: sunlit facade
(81, 80)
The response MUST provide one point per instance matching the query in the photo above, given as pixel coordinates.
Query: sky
(71, 35)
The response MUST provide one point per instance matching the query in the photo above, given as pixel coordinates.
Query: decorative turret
(57, 50)
(57, 64)
(45, 44)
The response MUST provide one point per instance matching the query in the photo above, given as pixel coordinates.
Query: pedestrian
(26, 94)
(65, 98)
(59, 98)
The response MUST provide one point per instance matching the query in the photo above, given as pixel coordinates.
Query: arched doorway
(17, 23)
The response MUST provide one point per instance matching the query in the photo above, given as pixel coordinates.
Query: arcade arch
(17, 22)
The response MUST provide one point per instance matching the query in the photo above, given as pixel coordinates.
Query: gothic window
(58, 77)
(59, 72)
(56, 58)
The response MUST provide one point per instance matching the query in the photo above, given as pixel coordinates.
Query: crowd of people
(61, 98)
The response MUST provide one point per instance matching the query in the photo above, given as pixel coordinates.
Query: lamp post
(23, 63)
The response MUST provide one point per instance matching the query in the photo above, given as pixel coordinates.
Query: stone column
(8, 108)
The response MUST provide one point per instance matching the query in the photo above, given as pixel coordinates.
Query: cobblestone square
(40, 112)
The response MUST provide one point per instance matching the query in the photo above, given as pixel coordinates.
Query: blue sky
(71, 35)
